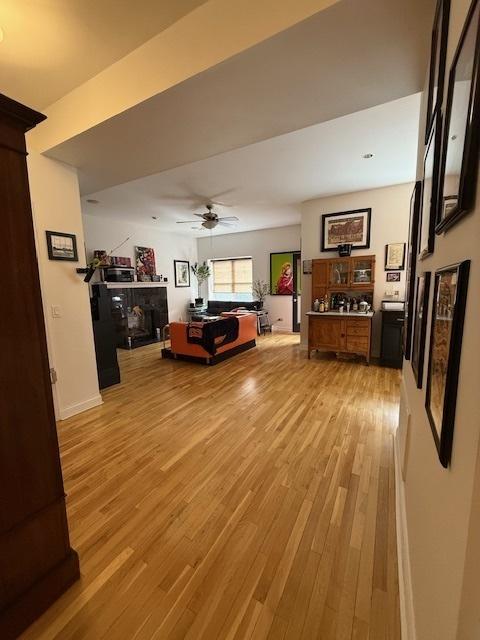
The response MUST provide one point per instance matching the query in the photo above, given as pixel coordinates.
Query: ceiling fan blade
(225, 224)
(200, 215)
(185, 221)
(199, 228)
(231, 218)
(220, 204)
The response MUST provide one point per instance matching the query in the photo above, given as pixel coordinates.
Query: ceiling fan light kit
(210, 219)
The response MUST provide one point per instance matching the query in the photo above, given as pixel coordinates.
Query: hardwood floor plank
(253, 499)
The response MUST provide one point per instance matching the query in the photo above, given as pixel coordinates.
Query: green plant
(260, 290)
(201, 272)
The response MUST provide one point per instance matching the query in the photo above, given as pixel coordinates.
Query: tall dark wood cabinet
(36, 561)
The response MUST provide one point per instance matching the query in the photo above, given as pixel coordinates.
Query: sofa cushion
(215, 307)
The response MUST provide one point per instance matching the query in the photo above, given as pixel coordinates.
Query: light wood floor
(253, 499)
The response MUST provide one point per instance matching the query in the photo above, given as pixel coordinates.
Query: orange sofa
(180, 348)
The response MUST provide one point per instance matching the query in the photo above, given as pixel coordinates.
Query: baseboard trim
(407, 615)
(68, 412)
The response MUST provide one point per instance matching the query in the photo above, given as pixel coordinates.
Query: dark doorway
(297, 292)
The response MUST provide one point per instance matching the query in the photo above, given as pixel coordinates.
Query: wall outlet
(279, 319)
(56, 311)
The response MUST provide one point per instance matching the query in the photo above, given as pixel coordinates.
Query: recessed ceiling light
(92, 201)
(154, 218)
(367, 156)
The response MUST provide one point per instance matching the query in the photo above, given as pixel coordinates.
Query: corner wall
(105, 233)
(442, 505)
(258, 244)
(56, 207)
(390, 215)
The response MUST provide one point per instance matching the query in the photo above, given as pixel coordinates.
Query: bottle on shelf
(326, 303)
(321, 306)
(316, 304)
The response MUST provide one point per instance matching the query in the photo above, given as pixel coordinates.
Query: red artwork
(145, 261)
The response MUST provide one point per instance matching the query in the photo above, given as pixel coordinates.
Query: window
(232, 279)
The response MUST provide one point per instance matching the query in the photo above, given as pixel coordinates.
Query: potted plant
(260, 291)
(202, 273)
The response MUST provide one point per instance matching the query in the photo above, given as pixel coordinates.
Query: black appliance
(104, 337)
(391, 353)
(118, 274)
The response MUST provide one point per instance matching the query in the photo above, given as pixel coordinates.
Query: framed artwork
(431, 167)
(182, 273)
(393, 276)
(61, 246)
(281, 273)
(420, 326)
(307, 267)
(102, 256)
(395, 256)
(461, 134)
(412, 251)
(145, 263)
(346, 227)
(449, 300)
(438, 52)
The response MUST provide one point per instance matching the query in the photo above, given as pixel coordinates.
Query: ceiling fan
(210, 219)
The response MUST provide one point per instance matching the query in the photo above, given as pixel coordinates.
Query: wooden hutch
(351, 332)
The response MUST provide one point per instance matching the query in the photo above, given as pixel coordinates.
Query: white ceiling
(349, 57)
(266, 181)
(51, 46)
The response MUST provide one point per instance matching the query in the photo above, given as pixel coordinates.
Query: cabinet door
(339, 273)
(363, 272)
(319, 278)
(327, 333)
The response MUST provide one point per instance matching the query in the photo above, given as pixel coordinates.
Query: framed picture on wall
(346, 227)
(281, 273)
(182, 273)
(395, 256)
(438, 51)
(145, 263)
(420, 326)
(449, 300)
(431, 167)
(412, 251)
(461, 135)
(394, 276)
(61, 246)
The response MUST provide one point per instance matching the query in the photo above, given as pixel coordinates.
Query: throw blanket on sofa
(211, 335)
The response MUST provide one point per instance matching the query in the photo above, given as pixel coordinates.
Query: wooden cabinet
(342, 274)
(36, 561)
(319, 279)
(362, 272)
(339, 333)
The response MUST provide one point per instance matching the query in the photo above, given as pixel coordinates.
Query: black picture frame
(420, 326)
(394, 276)
(282, 284)
(181, 262)
(438, 54)
(412, 250)
(428, 207)
(400, 266)
(446, 332)
(462, 126)
(58, 250)
(366, 212)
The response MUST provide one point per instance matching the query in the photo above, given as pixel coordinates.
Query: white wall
(104, 233)
(56, 207)
(390, 214)
(257, 244)
(442, 505)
